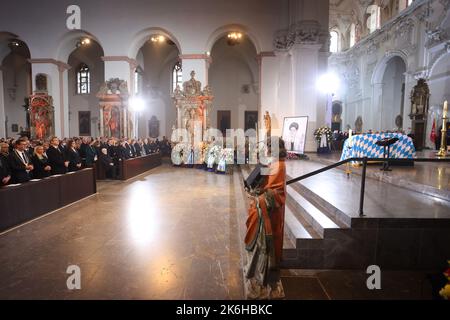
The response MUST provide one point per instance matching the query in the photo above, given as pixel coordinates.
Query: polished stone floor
(381, 199)
(170, 234)
(433, 174)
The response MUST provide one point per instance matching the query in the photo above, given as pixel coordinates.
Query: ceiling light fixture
(158, 38)
(234, 38)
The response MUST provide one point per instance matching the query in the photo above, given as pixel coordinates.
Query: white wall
(392, 93)
(233, 67)
(91, 56)
(405, 37)
(157, 61)
(16, 75)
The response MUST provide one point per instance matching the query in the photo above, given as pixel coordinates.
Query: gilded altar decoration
(115, 118)
(41, 116)
(193, 106)
(267, 124)
(420, 96)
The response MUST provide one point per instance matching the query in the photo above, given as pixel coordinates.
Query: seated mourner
(108, 164)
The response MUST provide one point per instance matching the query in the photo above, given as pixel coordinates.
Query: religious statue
(192, 87)
(420, 96)
(267, 124)
(358, 124)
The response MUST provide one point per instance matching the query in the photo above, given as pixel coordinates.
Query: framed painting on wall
(250, 120)
(84, 123)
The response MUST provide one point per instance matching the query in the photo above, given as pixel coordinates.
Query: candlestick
(443, 150)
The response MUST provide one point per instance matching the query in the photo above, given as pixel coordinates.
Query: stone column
(377, 100)
(305, 95)
(57, 85)
(268, 84)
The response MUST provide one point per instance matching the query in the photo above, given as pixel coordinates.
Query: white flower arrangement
(180, 153)
(213, 155)
(228, 154)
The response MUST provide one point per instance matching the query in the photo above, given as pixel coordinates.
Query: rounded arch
(68, 43)
(5, 39)
(434, 63)
(380, 68)
(142, 36)
(220, 32)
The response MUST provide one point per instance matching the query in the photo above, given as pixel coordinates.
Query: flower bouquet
(445, 291)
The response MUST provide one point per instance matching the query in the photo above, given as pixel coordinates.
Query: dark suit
(123, 153)
(39, 165)
(56, 160)
(147, 148)
(133, 151)
(138, 149)
(90, 154)
(19, 173)
(74, 158)
(108, 165)
(4, 168)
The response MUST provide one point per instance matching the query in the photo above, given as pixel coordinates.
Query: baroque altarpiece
(115, 118)
(193, 106)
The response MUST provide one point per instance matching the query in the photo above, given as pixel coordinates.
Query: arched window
(334, 41)
(352, 34)
(177, 76)
(138, 80)
(83, 79)
(373, 21)
(403, 4)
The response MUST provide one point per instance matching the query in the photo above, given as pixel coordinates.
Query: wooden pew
(30, 200)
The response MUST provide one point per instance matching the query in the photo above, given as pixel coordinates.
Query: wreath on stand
(226, 161)
(180, 153)
(318, 135)
(212, 157)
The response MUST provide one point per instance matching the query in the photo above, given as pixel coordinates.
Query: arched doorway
(15, 83)
(393, 94)
(85, 77)
(158, 71)
(234, 78)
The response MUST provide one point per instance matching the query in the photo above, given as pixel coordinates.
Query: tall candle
(350, 138)
(444, 111)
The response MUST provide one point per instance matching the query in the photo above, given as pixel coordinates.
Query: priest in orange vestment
(265, 228)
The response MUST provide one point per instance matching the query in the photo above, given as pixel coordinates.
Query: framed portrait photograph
(84, 123)
(294, 133)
